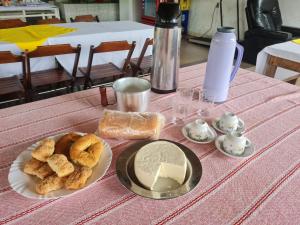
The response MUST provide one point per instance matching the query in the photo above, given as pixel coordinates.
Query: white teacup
(235, 143)
(229, 122)
(199, 130)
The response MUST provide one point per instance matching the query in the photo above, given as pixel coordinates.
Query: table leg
(271, 67)
(273, 62)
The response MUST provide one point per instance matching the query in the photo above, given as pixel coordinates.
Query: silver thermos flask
(166, 49)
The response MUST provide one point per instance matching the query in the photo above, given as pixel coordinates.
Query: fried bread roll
(60, 165)
(86, 150)
(130, 125)
(63, 145)
(44, 150)
(31, 166)
(51, 183)
(43, 171)
(78, 178)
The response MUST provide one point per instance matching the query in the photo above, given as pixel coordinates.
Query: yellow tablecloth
(297, 41)
(30, 37)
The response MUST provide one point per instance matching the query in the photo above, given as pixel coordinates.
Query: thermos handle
(238, 61)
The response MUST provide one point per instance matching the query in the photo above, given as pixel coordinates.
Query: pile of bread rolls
(66, 163)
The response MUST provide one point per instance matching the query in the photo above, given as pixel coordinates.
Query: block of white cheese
(160, 159)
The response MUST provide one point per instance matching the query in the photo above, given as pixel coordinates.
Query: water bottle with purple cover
(219, 70)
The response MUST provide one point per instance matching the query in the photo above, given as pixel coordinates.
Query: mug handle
(103, 95)
(248, 143)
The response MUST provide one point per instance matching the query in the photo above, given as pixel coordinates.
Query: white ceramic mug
(235, 143)
(199, 130)
(229, 122)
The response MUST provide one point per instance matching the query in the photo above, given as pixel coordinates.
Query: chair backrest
(144, 49)
(52, 50)
(85, 18)
(112, 46)
(8, 57)
(12, 23)
(50, 21)
(264, 14)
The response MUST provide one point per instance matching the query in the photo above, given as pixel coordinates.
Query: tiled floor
(191, 53)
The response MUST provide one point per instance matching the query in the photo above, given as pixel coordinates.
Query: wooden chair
(58, 77)
(85, 18)
(109, 72)
(273, 62)
(142, 64)
(11, 87)
(49, 21)
(12, 23)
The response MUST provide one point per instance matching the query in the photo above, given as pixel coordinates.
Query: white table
(287, 50)
(43, 10)
(87, 34)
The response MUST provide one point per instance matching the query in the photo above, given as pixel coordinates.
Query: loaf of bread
(130, 125)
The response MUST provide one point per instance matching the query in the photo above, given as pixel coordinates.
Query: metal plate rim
(191, 182)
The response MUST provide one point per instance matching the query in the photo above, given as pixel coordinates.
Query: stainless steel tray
(126, 175)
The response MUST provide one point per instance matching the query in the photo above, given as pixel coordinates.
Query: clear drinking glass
(205, 106)
(180, 105)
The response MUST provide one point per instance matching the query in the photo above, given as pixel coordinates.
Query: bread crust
(78, 178)
(44, 150)
(87, 150)
(60, 165)
(44, 171)
(51, 183)
(130, 125)
(63, 145)
(32, 165)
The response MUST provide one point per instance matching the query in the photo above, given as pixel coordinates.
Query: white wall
(105, 11)
(201, 11)
(200, 17)
(125, 7)
(137, 10)
(290, 10)
(130, 10)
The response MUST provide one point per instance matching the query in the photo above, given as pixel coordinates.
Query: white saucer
(211, 132)
(249, 150)
(240, 129)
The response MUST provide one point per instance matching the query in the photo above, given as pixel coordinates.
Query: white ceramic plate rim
(215, 125)
(183, 130)
(24, 184)
(221, 139)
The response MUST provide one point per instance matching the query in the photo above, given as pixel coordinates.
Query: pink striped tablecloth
(263, 189)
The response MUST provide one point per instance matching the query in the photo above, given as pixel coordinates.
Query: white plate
(240, 129)
(249, 150)
(211, 138)
(24, 184)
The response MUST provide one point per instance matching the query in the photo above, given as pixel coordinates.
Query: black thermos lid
(167, 15)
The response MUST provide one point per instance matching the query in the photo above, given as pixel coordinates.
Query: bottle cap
(226, 29)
